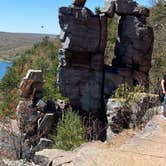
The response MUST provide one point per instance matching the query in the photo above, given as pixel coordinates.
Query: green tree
(70, 132)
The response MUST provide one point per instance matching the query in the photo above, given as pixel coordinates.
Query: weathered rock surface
(10, 143)
(17, 163)
(133, 49)
(78, 25)
(82, 76)
(139, 111)
(36, 118)
(81, 59)
(45, 124)
(83, 88)
(32, 84)
(2, 163)
(124, 7)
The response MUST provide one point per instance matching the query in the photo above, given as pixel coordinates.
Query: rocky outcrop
(81, 59)
(138, 112)
(147, 147)
(134, 46)
(35, 117)
(82, 76)
(10, 142)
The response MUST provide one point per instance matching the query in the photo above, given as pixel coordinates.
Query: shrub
(8, 104)
(70, 132)
(127, 94)
(42, 56)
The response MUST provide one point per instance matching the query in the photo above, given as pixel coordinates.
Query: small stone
(41, 104)
(44, 143)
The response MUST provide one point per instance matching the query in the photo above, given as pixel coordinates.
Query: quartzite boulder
(31, 85)
(81, 59)
(139, 111)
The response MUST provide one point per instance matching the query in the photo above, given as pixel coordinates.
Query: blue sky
(29, 15)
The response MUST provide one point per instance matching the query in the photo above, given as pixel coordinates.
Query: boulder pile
(36, 118)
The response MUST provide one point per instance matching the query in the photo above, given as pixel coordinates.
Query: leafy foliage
(157, 20)
(70, 132)
(8, 104)
(127, 94)
(42, 56)
(111, 39)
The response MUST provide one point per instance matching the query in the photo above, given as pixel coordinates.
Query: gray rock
(27, 117)
(17, 163)
(115, 76)
(64, 58)
(81, 59)
(43, 144)
(41, 104)
(109, 8)
(125, 7)
(133, 53)
(2, 163)
(139, 111)
(31, 83)
(42, 160)
(82, 87)
(10, 140)
(79, 3)
(78, 24)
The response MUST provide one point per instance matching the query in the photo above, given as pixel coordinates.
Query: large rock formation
(134, 45)
(82, 76)
(36, 119)
(81, 59)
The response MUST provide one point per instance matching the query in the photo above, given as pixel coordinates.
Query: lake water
(3, 68)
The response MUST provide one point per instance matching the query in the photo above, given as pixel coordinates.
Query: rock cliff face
(81, 59)
(82, 76)
(133, 50)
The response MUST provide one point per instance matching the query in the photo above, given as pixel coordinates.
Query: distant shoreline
(4, 60)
